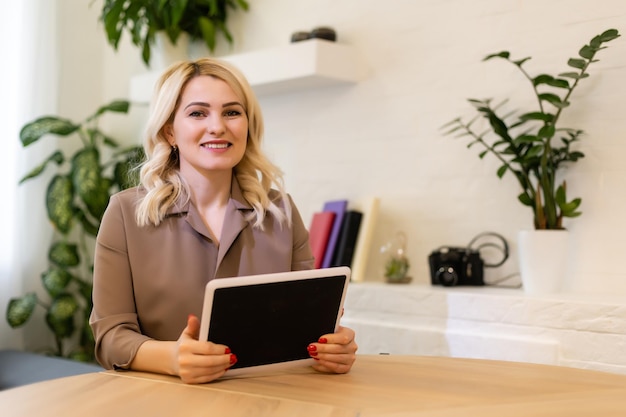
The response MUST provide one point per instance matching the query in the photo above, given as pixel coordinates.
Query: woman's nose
(216, 126)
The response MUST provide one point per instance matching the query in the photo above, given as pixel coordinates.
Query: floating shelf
(301, 65)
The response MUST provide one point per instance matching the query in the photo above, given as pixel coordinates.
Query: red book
(319, 232)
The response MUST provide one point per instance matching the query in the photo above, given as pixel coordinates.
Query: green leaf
(116, 106)
(546, 131)
(569, 209)
(63, 306)
(503, 54)
(587, 52)
(57, 157)
(560, 196)
(64, 254)
(526, 200)
(35, 130)
(534, 151)
(545, 117)
(522, 139)
(88, 226)
(577, 63)
(20, 309)
(55, 280)
(111, 14)
(501, 171)
(575, 156)
(60, 316)
(207, 28)
(542, 79)
(178, 9)
(609, 35)
(86, 289)
(88, 182)
(243, 4)
(59, 198)
(550, 98)
(574, 75)
(520, 62)
(145, 50)
(109, 141)
(559, 83)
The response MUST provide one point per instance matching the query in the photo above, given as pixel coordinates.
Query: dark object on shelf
(324, 32)
(451, 266)
(348, 234)
(300, 36)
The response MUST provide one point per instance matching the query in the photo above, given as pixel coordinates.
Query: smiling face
(210, 128)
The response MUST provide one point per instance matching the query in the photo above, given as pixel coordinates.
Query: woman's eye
(196, 113)
(232, 113)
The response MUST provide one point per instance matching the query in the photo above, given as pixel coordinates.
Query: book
(346, 243)
(339, 208)
(364, 240)
(319, 232)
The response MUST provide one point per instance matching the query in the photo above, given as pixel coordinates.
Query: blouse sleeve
(114, 317)
(302, 257)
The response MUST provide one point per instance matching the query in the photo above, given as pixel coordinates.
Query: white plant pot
(164, 53)
(543, 260)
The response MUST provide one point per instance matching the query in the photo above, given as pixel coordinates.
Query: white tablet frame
(248, 280)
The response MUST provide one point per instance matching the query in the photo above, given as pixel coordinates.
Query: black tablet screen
(274, 322)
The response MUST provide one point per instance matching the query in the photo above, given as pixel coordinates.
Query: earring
(174, 148)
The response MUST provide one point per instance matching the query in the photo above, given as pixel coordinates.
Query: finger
(339, 364)
(343, 336)
(194, 368)
(201, 376)
(192, 331)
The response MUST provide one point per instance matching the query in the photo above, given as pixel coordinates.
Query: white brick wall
(488, 323)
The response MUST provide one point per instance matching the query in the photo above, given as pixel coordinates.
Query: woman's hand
(335, 352)
(198, 362)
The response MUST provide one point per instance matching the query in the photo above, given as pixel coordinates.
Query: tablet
(268, 320)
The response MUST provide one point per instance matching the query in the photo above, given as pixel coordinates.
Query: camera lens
(447, 276)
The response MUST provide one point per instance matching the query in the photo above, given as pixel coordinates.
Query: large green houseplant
(76, 198)
(143, 19)
(531, 144)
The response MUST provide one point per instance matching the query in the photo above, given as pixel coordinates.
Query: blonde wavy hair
(160, 173)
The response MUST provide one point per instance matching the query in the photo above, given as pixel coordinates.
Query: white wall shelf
(489, 323)
(301, 65)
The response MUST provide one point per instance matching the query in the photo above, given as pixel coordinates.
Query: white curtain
(28, 89)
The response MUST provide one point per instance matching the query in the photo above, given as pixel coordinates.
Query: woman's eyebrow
(203, 104)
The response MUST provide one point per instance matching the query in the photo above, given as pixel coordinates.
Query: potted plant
(532, 145)
(144, 19)
(76, 198)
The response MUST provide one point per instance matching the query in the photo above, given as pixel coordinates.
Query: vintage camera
(450, 266)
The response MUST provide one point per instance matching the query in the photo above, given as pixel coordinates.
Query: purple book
(339, 207)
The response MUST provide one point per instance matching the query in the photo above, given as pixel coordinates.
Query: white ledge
(491, 323)
(301, 65)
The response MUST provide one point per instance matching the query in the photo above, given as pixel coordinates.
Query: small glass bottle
(396, 263)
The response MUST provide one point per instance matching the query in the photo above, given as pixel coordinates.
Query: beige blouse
(147, 280)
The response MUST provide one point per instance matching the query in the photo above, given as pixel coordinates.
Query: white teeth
(216, 145)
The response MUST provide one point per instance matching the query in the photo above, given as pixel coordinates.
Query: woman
(205, 209)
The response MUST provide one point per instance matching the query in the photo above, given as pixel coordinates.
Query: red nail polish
(311, 348)
(226, 351)
(233, 359)
(323, 340)
(313, 353)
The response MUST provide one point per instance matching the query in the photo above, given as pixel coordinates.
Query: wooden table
(376, 386)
